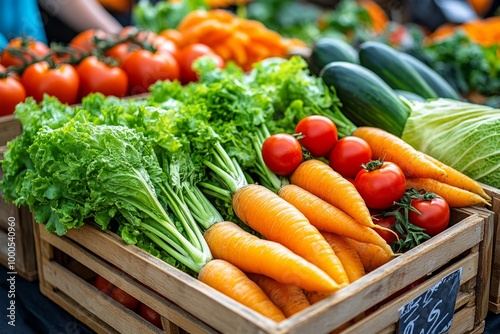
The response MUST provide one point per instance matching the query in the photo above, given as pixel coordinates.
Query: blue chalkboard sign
(432, 311)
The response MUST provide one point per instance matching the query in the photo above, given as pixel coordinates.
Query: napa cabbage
(463, 135)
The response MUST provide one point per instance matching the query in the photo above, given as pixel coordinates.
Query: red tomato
(85, 40)
(28, 49)
(12, 93)
(380, 184)
(434, 215)
(163, 44)
(150, 315)
(121, 51)
(319, 134)
(124, 298)
(61, 81)
(144, 68)
(348, 154)
(97, 76)
(188, 54)
(103, 285)
(172, 34)
(387, 222)
(282, 153)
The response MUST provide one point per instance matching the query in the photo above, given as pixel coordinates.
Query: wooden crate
(25, 257)
(494, 193)
(188, 305)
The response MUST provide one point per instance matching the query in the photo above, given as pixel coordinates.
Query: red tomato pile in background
(94, 61)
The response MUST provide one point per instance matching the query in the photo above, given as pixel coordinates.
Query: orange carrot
(371, 255)
(278, 220)
(289, 298)
(228, 241)
(455, 197)
(347, 255)
(321, 180)
(458, 179)
(326, 217)
(388, 147)
(231, 281)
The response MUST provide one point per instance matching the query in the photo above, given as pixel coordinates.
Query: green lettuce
(462, 135)
(109, 173)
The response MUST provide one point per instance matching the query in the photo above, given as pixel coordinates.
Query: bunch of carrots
(240, 40)
(317, 232)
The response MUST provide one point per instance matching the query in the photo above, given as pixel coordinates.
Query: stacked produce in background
(243, 161)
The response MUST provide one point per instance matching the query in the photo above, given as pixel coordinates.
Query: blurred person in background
(31, 18)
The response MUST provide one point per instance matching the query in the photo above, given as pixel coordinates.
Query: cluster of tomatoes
(120, 65)
(127, 300)
(381, 184)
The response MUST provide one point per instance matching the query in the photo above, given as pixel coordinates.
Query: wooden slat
(494, 295)
(10, 127)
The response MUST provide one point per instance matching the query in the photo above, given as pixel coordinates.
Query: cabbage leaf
(463, 135)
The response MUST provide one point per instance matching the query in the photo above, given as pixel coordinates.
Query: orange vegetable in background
(379, 18)
(233, 38)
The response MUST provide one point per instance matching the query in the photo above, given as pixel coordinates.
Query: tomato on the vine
(348, 155)
(187, 55)
(121, 51)
(85, 40)
(12, 92)
(98, 76)
(144, 68)
(282, 153)
(318, 134)
(61, 81)
(24, 51)
(434, 214)
(380, 184)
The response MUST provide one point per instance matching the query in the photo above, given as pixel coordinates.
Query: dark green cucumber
(409, 95)
(366, 99)
(387, 63)
(438, 84)
(327, 49)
